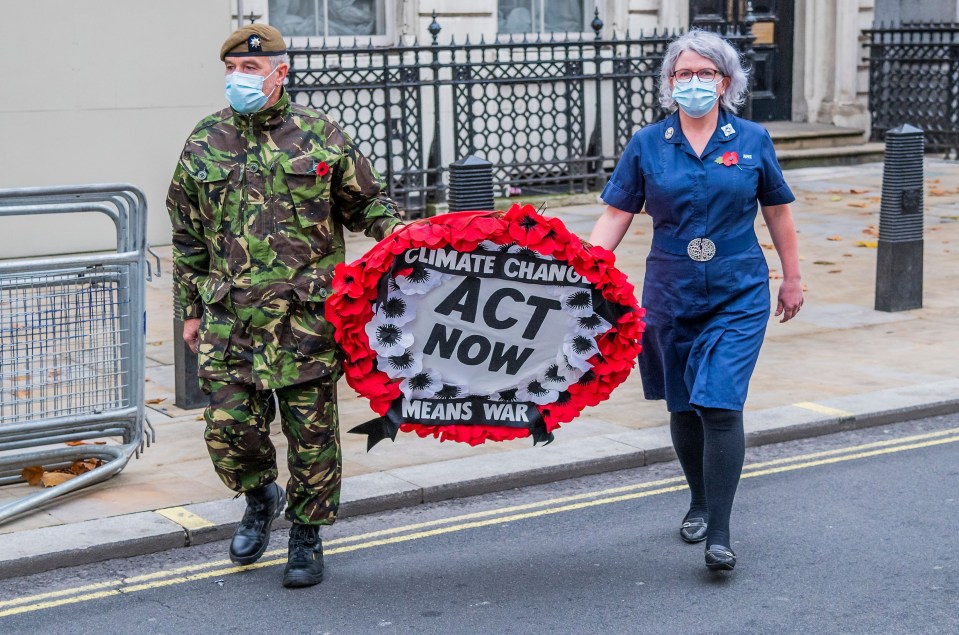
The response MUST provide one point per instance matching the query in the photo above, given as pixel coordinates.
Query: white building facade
(111, 88)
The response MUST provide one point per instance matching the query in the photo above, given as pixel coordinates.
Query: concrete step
(792, 135)
(821, 157)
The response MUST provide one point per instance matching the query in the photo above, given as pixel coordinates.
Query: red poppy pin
(728, 159)
(322, 168)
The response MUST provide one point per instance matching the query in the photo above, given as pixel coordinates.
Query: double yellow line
(464, 522)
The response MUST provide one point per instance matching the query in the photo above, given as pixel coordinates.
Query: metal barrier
(72, 332)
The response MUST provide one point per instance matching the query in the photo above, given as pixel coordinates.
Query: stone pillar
(839, 49)
(828, 37)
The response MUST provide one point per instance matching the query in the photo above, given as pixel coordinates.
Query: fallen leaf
(834, 238)
(153, 402)
(811, 199)
(872, 244)
(805, 288)
(853, 190)
(774, 275)
(872, 230)
(73, 444)
(857, 204)
(50, 479)
(154, 343)
(200, 418)
(874, 199)
(23, 393)
(823, 262)
(82, 467)
(847, 255)
(32, 475)
(835, 271)
(937, 192)
(836, 191)
(932, 181)
(835, 198)
(767, 245)
(638, 232)
(935, 228)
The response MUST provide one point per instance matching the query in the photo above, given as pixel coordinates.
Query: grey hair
(716, 49)
(276, 61)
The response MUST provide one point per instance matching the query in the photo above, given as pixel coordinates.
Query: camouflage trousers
(238, 439)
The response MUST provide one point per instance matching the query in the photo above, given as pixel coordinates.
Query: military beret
(252, 40)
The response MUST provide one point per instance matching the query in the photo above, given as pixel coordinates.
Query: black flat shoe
(720, 558)
(693, 530)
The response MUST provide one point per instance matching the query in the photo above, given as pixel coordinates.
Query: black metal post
(746, 30)
(900, 249)
(595, 146)
(435, 179)
(187, 385)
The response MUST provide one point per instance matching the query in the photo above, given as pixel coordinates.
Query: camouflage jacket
(258, 205)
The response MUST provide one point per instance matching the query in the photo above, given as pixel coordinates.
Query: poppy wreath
(374, 306)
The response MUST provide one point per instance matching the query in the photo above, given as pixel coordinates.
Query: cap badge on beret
(254, 40)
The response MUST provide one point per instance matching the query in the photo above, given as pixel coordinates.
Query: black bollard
(899, 258)
(186, 384)
(471, 185)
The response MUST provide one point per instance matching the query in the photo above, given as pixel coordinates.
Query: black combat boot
(305, 564)
(252, 535)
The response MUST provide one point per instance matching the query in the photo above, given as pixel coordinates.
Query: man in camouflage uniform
(258, 203)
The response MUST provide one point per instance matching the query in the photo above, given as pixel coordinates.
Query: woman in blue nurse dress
(700, 173)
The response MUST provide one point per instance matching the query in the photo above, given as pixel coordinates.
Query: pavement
(839, 365)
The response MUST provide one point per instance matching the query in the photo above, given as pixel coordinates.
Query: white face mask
(245, 91)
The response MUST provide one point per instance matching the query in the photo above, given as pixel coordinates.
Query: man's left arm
(359, 196)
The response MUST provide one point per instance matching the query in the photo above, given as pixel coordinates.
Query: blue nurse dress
(707, 304)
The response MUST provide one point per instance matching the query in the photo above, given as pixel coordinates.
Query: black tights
(711, 447)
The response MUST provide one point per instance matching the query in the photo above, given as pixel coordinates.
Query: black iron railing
(552, 115)
(914, 78)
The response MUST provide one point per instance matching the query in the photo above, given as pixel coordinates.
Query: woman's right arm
(610, 228)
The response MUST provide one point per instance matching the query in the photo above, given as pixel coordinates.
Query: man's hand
(191, 336)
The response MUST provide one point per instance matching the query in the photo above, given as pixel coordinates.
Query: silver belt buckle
(701, 249)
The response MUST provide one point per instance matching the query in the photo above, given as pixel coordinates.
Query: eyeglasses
(704, 74)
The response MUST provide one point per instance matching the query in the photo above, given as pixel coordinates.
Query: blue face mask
(245, 91)
(695, 97)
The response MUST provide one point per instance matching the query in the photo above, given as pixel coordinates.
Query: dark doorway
(773, 27)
